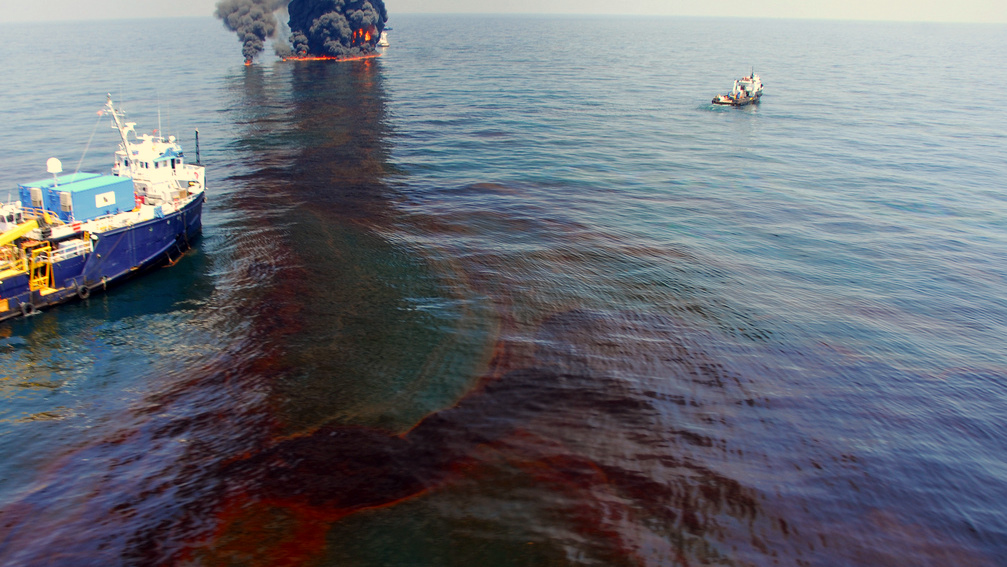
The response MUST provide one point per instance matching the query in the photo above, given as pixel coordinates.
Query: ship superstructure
(70, 235)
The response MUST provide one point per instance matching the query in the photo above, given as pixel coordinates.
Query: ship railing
(72, 249)
(100, 224)
(39, 212)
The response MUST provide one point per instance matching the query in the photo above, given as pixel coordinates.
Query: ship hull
(117, 255)
(736, 102)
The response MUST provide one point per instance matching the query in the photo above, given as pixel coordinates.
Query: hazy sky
(992, 11)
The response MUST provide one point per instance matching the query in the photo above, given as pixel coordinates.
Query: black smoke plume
(336, 28)
(253, 20)
(326, 28)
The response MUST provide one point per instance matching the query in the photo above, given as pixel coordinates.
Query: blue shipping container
(81, 197)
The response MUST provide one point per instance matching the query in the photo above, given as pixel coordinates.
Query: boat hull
(117, 255)
(736, 103)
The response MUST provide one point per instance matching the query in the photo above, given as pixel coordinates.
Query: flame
(363, 34)
(248, 62)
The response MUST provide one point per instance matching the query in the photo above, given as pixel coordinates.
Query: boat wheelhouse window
(126, 162)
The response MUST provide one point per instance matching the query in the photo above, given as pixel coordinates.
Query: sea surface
(515, 293)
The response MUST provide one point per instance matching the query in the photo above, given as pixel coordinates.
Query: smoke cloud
(253, 20)
(325, 28)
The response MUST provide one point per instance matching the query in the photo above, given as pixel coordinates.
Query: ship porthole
(83, 292)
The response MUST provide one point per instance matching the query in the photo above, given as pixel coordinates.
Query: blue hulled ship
(69, 236)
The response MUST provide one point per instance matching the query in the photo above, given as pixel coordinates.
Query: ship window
(127, 163)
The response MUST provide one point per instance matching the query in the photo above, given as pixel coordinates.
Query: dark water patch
(533, 416)
(345, 362)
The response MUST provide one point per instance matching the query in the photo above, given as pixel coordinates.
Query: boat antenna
(88, 145)
(197, 148)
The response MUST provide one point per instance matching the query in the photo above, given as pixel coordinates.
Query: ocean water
(515, 293)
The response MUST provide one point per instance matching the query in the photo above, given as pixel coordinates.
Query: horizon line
(544, 14)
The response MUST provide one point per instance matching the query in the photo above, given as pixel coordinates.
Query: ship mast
(122, 134)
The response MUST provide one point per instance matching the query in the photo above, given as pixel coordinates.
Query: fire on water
(330, 57)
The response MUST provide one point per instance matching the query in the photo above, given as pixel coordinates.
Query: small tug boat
(747, 90)
(383, 40)
(72, 235)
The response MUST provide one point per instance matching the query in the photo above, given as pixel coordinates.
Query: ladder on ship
(40, 269)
